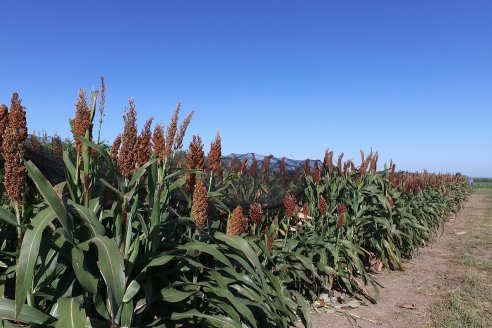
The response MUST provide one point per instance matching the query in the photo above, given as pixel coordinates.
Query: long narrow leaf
(28, 256)
(49, 194)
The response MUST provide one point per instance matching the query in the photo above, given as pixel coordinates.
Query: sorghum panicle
(322, 206)
(178, 143)
(57, 146)
(244, 164)
(200, 204)
(305, 210)
(341, 214)
(82, 121)
(144, 143)
(215, 155)
(115, 148)
(374, 163)
(171, 131)
(159, 142)
(35, 144)
(328, 161)
(339, 163)
(237, 222)
(281, 166)
(266, 164)
(255, 212)
(102, 100)
(14, 139)
(4, 122)
(270, 238)
(235, 164)
(307, 167)
(316, 175)
(195, 160)
(254, 166)
(127, 154)
(289, 205)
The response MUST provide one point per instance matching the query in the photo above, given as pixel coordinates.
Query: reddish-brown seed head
(14, 139)
(237, 223)
(289, 205)
(194, 160)
(4, 122)
(35, 144)
(341, 215)
(307, 167)
(281, 166)
(171, 131)
(200, 204)
(266, 164)
(215, 155)
(178, 143)
(322, 206)
(144, 143)
(235, 164)
(57, 145)
(82, 121)
(244, 164)
(339, 163)
(254, 166)
(328, 161)
(255, 212)
(305, 210)
(127, 154)
(159, 142)
(115, 148)
(316, 175)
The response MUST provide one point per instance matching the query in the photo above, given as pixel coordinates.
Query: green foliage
(101, 249)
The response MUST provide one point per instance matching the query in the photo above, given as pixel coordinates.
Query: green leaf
(70, 314)
(234, 301)
(216, 320)
(110, 264)
(206, 248)
(140, 171)
(49, 194)
(305, 309)
(242, 245)
(173, 295)
(7, 217)
(89, 218)
(131, 291)
(28, 314)
(69, 166)
(28, 256)
(85, 278)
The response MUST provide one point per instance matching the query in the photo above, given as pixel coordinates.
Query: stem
(286, 233)
(211, 179)
(19, 228)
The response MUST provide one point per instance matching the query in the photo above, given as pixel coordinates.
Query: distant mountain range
(290, 164)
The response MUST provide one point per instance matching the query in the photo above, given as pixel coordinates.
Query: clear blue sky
(410, 79)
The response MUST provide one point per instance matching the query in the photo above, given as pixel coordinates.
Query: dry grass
(467, 299)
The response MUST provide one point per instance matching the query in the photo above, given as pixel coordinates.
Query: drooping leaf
(111, 265)
(50, 196)
(70, 314)
(28, 256)
(27, 315)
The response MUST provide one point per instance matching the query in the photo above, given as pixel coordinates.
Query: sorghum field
(147, 233)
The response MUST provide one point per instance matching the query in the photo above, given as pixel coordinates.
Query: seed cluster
(200, 204)
(127, 155)
(14, 138)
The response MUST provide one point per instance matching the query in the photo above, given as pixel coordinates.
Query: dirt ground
(436, 276)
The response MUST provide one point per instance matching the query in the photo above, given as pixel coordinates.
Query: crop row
(145, 234)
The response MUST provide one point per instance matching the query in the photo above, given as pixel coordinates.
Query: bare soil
(411, 298)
